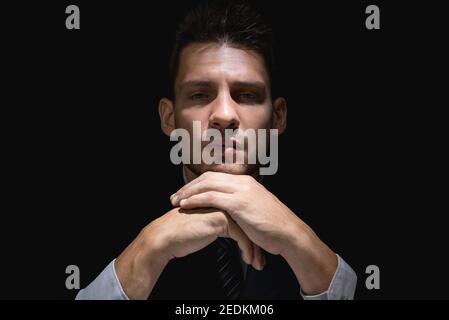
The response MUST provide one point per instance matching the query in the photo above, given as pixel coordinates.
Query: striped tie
(230, 273)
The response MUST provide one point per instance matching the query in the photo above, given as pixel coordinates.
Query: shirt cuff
(342, 286)
(105, 287)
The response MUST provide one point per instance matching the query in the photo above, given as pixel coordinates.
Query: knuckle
(221, 224)
(245, 187)
(249, 179)
(207, 174)
(208, 196)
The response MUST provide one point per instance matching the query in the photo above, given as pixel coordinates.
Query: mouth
(225, 146)
(230, 144)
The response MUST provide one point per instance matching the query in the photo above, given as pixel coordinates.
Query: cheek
(257, 118)
(184, 118)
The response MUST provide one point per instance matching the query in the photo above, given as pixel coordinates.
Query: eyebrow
(209, 83)
(249, 84)
(196, 83)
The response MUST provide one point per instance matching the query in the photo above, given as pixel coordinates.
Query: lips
(224, 145)
(231, 144)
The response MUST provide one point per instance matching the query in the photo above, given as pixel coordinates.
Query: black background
(87, 165)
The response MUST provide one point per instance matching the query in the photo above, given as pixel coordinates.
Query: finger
(215, 199)
(259, 258)
(227, 228)
(230, 229)
(201, 187)
(203, 176)
(209, 175)
(245, 244)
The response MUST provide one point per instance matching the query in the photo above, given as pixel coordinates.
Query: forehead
(217, 62)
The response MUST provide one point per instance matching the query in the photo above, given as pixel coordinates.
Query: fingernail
(174, 200)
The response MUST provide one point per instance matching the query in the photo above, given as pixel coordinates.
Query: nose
(224, 113)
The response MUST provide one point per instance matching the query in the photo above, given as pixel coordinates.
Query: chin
(230, 168)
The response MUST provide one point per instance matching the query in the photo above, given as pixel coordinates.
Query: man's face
(224, 88)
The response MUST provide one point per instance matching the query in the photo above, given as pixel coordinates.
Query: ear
(166, 113)
(280, 115)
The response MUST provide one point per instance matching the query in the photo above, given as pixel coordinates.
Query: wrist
(155, 246)
(297, 240)
(139, 266)
(312, 261)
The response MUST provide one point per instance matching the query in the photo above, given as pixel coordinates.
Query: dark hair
(234, 22)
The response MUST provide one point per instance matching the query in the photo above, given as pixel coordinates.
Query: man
(223, 77)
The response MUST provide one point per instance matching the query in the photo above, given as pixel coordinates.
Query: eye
(199, 96)
(247, 97)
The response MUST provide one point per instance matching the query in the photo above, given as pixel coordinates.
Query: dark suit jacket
(194, 277)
